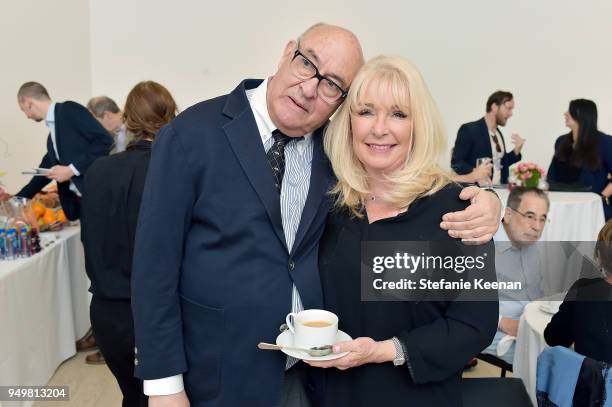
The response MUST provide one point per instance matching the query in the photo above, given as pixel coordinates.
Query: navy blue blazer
(80, 139)
(473, 142)
(212, 276)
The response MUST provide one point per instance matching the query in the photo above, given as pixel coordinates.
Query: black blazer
(109, 211)
(585, 320)
(212, 275)
(473, 142)
(80, 139)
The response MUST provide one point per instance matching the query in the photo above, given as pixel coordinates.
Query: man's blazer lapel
(243, 136)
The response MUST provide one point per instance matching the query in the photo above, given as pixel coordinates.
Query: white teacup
(313, 327)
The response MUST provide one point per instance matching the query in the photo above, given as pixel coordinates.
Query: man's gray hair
(100, 104)
(34, 90)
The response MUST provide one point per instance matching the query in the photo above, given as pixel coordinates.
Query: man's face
(26, 105)
(110, 121)
(294, 104)
(503, 112)
(526, 224)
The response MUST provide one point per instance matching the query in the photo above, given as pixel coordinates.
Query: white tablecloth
(529, 344)
(574, 216)
(44, 308)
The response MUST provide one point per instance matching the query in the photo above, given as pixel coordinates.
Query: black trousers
(113, 327)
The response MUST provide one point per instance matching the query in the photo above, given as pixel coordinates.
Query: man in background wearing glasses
(517, 259)
(227, 241)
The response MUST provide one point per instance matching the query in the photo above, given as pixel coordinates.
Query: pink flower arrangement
(527, 174)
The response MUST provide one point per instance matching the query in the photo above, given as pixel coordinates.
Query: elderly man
(106, 111)
(517, 259)
(75, 140)
(484, 139)
(227, 241)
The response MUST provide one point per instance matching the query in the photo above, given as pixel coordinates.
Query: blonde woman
(384, 144)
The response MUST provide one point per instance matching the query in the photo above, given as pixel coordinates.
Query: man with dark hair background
(483, 138)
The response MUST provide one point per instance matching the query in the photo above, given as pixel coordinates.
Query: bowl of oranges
(49, 218)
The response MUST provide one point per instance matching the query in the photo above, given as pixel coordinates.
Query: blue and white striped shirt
(296, 181)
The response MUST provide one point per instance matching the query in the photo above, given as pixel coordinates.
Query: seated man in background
(517, 259)
(106, 111)
(483, 139)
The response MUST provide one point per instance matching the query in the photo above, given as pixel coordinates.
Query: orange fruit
(39, 209)
(61, 216)
(49, 216)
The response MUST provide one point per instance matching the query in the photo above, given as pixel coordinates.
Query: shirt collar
(50, 114)
(501, 239)
(265, 125)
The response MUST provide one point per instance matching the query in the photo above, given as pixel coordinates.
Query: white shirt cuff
(73, 168)
(164, 387)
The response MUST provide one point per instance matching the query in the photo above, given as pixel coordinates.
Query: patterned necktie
(496, 141)
(276, 157)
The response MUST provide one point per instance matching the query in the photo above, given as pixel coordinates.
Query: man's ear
(287, 52)
(507, 215)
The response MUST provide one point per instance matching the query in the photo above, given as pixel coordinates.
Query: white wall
(47, 42)
(546, 52)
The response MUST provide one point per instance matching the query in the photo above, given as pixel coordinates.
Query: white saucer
(286, 339)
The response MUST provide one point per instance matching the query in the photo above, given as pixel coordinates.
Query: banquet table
(44, 309)
(529, 344)
(574, 216)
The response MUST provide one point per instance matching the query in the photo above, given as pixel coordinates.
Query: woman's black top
(585, 320)
(440, 337)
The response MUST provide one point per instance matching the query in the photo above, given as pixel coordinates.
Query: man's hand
(361, 351)
(60, 173)
(478, 222)
(509, 326)
(518, 142)
(171, 400)
(482, 173)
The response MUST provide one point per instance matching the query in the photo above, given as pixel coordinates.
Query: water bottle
(26, 242)
(2, 244)
(12, 243)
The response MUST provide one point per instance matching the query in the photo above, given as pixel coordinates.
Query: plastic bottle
(12, 243)
(2, 244)
(26, 242)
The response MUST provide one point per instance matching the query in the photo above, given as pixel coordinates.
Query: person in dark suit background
(227, 238)
(110, 206)
(585, 316)
(584, 155)
(483, 138)
(75, 141)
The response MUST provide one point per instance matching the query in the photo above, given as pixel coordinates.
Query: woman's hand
(607, 192)
(362, 351)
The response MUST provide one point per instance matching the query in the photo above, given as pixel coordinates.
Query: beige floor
(95, 386)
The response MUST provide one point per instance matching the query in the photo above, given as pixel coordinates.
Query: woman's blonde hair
(421, 175)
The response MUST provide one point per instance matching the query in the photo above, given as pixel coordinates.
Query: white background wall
(41, 41)
(546, 52)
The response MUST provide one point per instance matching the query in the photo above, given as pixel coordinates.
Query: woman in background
(111, 201)
(585, 317)
(584, 155)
